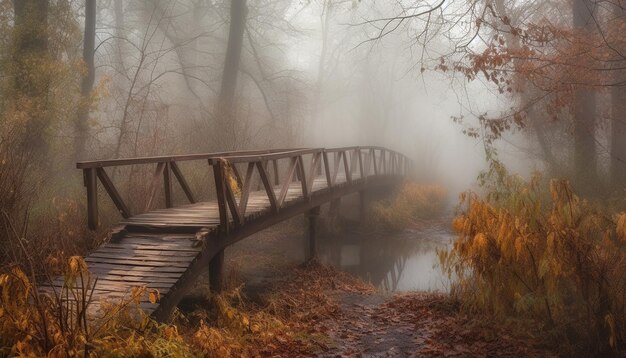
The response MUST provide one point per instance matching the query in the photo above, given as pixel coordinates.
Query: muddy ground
(329, 313)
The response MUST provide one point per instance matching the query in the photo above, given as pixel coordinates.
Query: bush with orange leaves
(62, 323)
(410, 203)
(537, 251)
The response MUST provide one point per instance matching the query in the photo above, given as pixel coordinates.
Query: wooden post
(362, 206)
(218, 173)
(333, 212)
(167, 185)
(91, 183)
(311, 250)
(216, 268)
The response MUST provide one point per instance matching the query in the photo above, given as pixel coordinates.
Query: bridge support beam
(311, 249)
(333, 213)
(362, 205)
(216, 268)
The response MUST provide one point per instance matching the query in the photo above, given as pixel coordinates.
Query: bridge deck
(206, 214)
(157, 261)
(166, 249)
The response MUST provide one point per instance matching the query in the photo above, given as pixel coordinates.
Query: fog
(310, 74)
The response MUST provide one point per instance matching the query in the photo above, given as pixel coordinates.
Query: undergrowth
(535, 250)
(410, 203)
(36, 320)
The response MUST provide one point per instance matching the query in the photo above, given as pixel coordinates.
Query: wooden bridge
(165, 249)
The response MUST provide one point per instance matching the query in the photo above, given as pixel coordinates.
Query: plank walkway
(166, 249)
(157, 261)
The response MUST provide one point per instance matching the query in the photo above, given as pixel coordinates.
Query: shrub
(61, 324)
(411, 202)
(538, 251)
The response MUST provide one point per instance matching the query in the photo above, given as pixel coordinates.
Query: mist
(312, 177)
(311, 74)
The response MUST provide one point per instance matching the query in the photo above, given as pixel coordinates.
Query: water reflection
(406, 261)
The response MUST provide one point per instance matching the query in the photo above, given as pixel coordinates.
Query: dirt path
(418, 325)
(362, 330)
(324, 312)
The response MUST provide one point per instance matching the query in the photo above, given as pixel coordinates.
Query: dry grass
(410, 203)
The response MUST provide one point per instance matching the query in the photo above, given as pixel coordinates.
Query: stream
(406, 261)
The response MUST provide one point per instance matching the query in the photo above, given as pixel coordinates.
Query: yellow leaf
(153, 296)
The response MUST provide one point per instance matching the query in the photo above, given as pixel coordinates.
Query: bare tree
(225, 104)
(88, 78)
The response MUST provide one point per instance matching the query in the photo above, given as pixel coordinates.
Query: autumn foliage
(538, 251)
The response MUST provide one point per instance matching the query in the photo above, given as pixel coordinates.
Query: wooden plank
(268, 186)
(180, 158)
(361, 169)
(285, 187)
(353, 161)
(305, 187)
(122, 267)
(336, 167)
(96, 256)
(315, 161)
(232, 202)
(182, 182)
(346, 168)
(152, 245)
(137, 274)
(153, 184)
(276, 177)
(132, 279)
(113, 193)
(142, 253)
(327, 173)
(91, 184)
(136, 262)
(167, 185)
(218, 172)
(236, 174)
(245, 190)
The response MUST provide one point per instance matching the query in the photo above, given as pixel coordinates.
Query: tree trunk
(584, 113)
(89, 43)
(225, 105)
(618, 115)
(31, 80)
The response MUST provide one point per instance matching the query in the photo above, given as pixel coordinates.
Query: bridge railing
(232, 189)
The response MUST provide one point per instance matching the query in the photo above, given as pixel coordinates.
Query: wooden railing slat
(218, 173)
(329, 181)
(269, 189)
(336, 165)
(91, 183)
(153, 185)
(113, 193)
(287, 183)
(361, 170)
(303, 182)
(315, 161)
(245, 190)
(167, 186)
(182, 182)
(230, 198)
(346, 167)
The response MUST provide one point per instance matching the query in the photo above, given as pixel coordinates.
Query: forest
(312, 178)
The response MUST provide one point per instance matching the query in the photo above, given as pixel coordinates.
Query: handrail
(234, 158)
(168, 158)
(354, 163)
